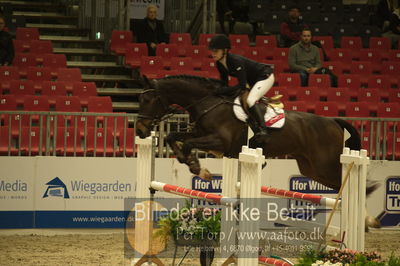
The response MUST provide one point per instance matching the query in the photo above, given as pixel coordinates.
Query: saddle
(274, 102)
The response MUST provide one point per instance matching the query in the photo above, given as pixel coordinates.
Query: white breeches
(260, 89)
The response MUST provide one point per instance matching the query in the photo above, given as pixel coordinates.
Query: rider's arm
(223, 73)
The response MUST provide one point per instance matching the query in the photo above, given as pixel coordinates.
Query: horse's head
(152, 107)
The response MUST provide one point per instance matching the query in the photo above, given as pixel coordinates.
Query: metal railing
(112, 134)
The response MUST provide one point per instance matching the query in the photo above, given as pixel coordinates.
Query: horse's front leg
(209, 142)
(173, 138)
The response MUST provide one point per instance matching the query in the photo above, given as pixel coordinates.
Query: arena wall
(55, 192)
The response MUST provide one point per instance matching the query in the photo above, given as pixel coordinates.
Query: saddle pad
(274, 117)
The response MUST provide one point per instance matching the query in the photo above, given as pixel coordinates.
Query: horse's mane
(208, 81)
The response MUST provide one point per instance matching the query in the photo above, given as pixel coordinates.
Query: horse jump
(250, 161)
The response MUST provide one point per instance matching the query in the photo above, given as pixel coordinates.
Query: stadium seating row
(40, 73)
(55, 103)
(341, 95)
(49, 88)
(68, 141)
(120, 40)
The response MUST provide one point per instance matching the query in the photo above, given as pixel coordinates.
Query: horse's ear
(145, 82)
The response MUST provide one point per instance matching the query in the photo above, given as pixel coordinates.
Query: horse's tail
(354, 143)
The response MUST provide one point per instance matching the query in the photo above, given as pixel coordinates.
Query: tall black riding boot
(258, 116)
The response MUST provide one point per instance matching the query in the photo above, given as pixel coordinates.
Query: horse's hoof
(372, 222)
(205, 174)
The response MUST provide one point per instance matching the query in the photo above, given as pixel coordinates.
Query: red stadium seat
(326, 41)
(353, 42)
(66, 138)
(134, 52)
(84, 89)
(368, 95)
(327, 109)
(298, 106)
(101, 142)
(67, 104)
(181, 63)
(393, 146)
(197, 53)
(390, 68)
(128, 142)
(32, 142)
(281, 54)
(256, 53)
(27, 34)
(361, 67)
(22, 87)
(41, 47)
(151, 66)
(339, 95)
(39, 73)
(368, 144)
(52, 88)
(340, 54)
(357, 109)
(394, 96)
(183, 39)
(204, 38)
(209, 65)
(69, 74)
(319, 80)
(22, 60)
(55, 61)
(100, 104)
(167, 51)
(389, 110)
(335, 66)
(371, 55)
(394, 55)
(8, 103)
(379, 81)
(266, 41)
(22, 46)
(239, 40)
(379, 43)
(7, 145)
(307, 94)
(36, 103)
(119, 40)
(289, 79)
(349, 80)
(8, 73)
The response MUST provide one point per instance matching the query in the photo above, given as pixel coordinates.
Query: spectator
(394, 28)
(6, 45)
(292, 27)
(151, 30)
(384, 10)
(304, 58)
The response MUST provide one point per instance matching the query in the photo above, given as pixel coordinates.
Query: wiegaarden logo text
(57, 188)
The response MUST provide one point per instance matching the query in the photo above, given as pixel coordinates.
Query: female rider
(257, 75)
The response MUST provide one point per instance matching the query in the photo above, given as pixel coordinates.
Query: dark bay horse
(315, 142)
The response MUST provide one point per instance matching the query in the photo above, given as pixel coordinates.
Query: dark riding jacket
(6, 48)
(245, 70)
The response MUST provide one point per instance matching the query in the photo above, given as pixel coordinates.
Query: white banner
(17, 177)
(138, 8)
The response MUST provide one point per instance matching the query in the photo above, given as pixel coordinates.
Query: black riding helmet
(219, 41)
